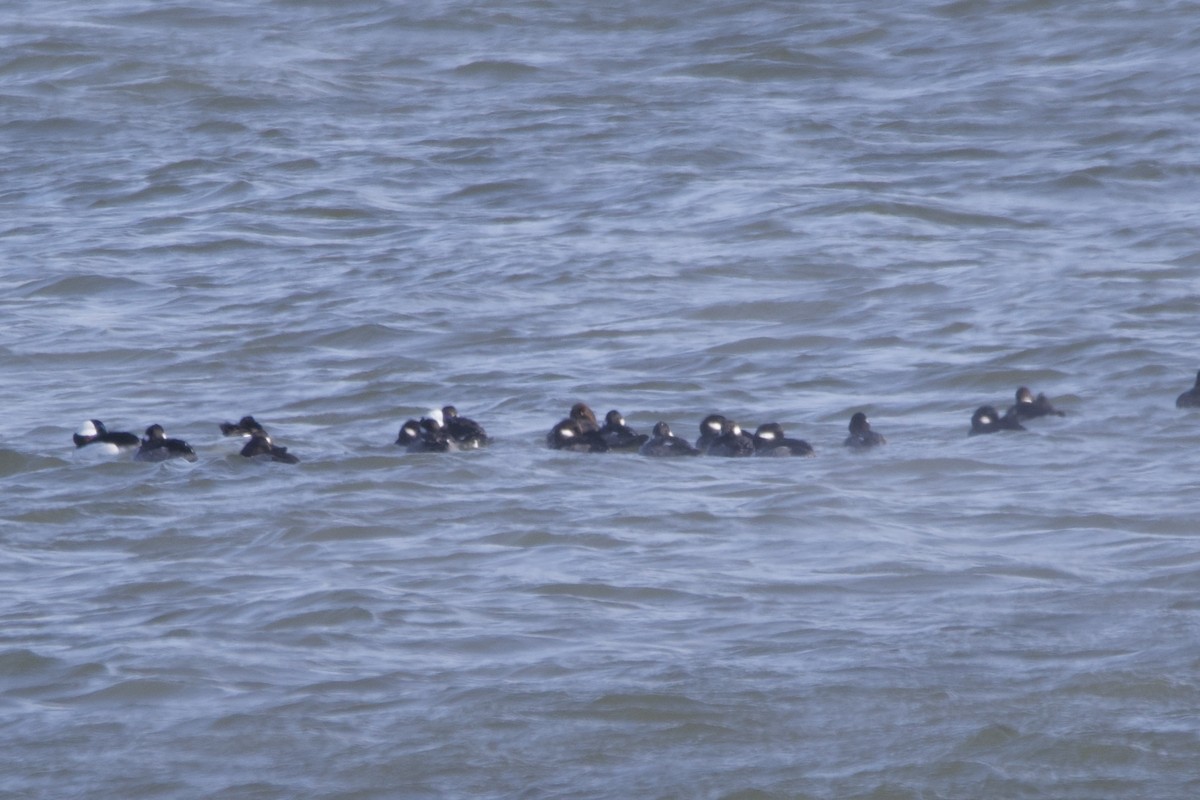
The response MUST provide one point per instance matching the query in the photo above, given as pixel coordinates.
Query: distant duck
(1190, 398)
(710, 431)
(246, 426)
(261, 445)
(664, 444)
(425, 435)
(861, 436)
(157, 447)
(410, 433)
(733, 442)
(619, 436)
(769, 440)
(987, 420)
(94, 432)
(1029, 407)
(466, 433)
(581, 413)
(570, 435)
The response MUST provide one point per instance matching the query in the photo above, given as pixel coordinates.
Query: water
(335, 216)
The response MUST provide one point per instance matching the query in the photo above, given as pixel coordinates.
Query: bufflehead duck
(987, 419)
(467, 433)
(770, 441)
(246, 426)
(93, 431)
(710, 430)
(425, 435)
(157, 447)
(665, 444)
(1190, 398)
(861, 436)
(733, 442)
(1028, 407)
(261, 445)
(570, 435)
(619, 436)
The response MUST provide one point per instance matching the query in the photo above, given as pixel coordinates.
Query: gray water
(335, 216)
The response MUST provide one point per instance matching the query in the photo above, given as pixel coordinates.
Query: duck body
(260, 445)
(1190, 398)
(570, 435)
(664, 444)
(94, 432)
(1030, 407)
(465, 432)
(732, 443)
(769, 440)
(619, 436)
(246, 426)
(157, 446)
(987, 419)
(861, 436)
(710, 431)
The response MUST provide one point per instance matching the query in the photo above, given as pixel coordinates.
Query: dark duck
(260, 445)
(733, 442)
(664, 444)
(156, 446)
(769, 440)
(570, 435)
(710, 431)
(861, 436)
(1190, 398)
(1030, 407)
(465, 432)
(987, 419)
(619, 436)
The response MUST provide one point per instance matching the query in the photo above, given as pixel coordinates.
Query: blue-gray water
(336, 215)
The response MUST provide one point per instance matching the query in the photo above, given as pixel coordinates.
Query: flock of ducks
(445, 430)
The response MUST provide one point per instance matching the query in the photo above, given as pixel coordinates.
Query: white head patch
(88, 429)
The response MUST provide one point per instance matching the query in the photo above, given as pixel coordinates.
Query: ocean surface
(335, 216)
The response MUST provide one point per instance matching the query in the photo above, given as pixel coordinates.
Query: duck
(246, 426)
(861, 436)
(732, 443)
(1190, 398)
(156, 446)
(664, 444)
(710, 430)
(93, 432)
(619, 436)
(570, 435)
(769, 440)
(581, 413)
(1029, 407)
(466, 433)
(425, 435)
(260, 444)
(987, 419)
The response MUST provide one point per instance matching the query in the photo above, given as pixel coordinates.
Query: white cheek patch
(435, 413)
(768, 435)
(715, 427)
(87, 429)
(985, 420)
(736, 430)
(566, 433)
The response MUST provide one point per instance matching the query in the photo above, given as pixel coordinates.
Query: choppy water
(336, 215)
